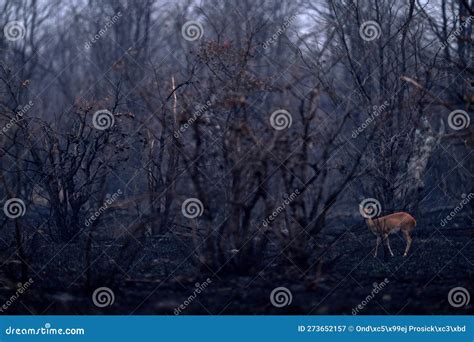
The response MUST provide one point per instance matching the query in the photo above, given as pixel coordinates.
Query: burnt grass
(157, 278)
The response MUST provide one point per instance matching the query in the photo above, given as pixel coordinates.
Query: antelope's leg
(387, 243)
(409, 241)
(377, 245)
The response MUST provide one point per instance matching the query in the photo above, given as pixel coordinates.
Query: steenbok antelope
(385, 225)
